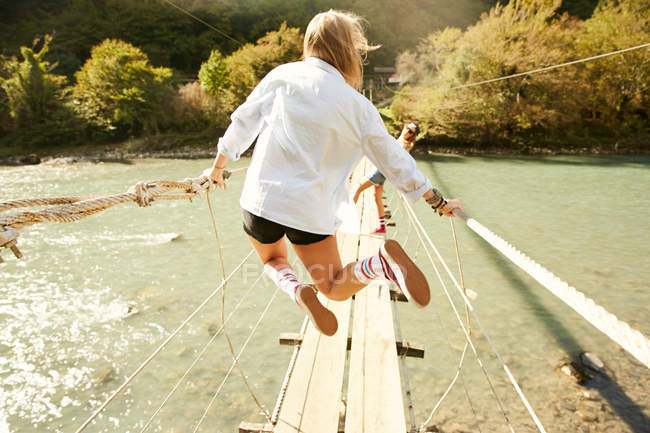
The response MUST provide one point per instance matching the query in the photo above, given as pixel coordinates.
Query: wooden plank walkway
(374, 403)
(312, 401)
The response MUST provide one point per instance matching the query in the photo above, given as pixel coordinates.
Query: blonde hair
(337, 38)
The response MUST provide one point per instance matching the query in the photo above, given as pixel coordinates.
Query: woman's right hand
(216, 176)
(448, 208)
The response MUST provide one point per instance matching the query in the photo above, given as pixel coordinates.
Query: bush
(230, 80)
(32, 94)
(521, 36)
(192, 109)
(213, 75)
(118, 90)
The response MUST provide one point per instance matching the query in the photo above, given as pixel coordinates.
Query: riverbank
(200, 146)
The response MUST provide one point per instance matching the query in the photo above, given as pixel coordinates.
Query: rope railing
(162, 345)
(619, 331)
(199, 356)
(235, 360)
(422, 235)
(72, 209)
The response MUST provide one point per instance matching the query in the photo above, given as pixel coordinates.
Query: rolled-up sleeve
(247, 121)
(391, 159)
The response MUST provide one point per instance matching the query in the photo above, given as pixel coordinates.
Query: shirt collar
(320, 63)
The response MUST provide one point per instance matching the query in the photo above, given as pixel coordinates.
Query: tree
(33, 94)
(117, 88)
(213, 75)
(233, 78)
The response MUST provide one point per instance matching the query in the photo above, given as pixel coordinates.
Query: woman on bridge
(312, 128)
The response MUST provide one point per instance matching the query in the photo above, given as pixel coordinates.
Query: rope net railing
(162, 345)
(422, 237)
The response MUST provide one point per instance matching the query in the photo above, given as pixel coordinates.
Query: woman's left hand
(448, 209)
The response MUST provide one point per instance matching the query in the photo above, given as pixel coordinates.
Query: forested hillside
(164, 72)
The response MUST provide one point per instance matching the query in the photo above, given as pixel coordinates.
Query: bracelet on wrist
(435, 198)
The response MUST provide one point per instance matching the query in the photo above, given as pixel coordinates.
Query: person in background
(407, 141)
(312, 128)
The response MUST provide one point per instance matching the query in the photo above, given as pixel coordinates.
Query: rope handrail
(623, 334)
(72, 209)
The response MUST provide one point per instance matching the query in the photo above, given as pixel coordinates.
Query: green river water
(92, 299)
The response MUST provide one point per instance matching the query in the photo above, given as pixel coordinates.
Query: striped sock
(285, 279)
(368, 269)
(382, 222)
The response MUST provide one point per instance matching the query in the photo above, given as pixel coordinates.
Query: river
(91, 300)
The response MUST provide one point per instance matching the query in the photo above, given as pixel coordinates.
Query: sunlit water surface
(92, 299)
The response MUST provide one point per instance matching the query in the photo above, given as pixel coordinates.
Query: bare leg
(367, 184)
(379, 193)
(323, 262)
(274, 254)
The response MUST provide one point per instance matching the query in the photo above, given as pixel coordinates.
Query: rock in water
(574, 371)
(592, 361)
(30, 159)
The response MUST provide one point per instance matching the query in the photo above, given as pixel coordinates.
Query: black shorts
(267, 232)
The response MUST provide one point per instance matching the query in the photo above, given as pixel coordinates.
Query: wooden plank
(403, 348)
(374, 402)
(313, 396)
(251, 427)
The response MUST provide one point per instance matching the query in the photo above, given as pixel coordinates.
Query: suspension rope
(186, 12)
(460, 273)
(630, 339)
(287, 376)
(223, 324)
(162, 346)
(534, 71)
(235, 360)
(200, 355)
(446, 334)
(512, 379)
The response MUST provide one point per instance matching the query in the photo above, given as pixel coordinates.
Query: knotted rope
(70, 209)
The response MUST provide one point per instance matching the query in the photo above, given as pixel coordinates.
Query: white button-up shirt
(312, 129)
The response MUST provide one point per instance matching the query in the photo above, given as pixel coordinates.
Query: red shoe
(380, 230)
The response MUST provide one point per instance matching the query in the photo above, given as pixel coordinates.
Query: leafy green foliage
(213, 75)
(521, 36)
(32, 94)
(249, 64)
(117, 88)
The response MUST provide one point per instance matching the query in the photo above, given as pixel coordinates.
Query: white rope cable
(512, 379)
(619, 331)
(200, 355)
(534, 71)
(236, 360)
(161, 346)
